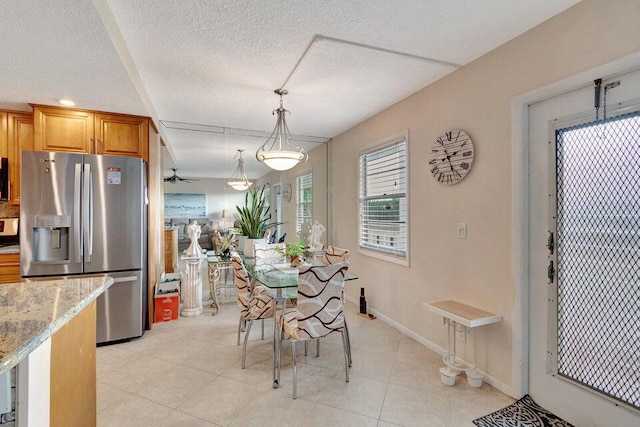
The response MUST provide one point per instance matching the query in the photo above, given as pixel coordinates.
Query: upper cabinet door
(118, 135)
(20, 132)
(60, 129)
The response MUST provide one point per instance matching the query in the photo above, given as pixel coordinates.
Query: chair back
(320, 300)
(336, 255)
(241, 279)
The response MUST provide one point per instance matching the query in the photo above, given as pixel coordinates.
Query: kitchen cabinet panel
(119, 135)
(9, 268)
(171, 250)
(61, 129)
(73, 371)
(3, 134)
(20, 137)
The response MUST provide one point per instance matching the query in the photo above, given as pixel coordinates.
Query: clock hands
(451, 164)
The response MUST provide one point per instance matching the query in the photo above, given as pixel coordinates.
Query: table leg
(276, 343)
(214, 275)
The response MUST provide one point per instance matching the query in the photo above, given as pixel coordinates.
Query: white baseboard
(489, 379)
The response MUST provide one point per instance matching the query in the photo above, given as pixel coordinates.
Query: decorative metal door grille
(598, 253)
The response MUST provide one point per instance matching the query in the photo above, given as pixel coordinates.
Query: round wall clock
(451, 157)
(286, 192)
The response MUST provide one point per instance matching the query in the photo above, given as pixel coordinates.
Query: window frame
(373, 252)
(298, 203)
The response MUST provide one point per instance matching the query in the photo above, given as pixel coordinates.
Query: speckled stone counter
(31, 312)
(11, 249)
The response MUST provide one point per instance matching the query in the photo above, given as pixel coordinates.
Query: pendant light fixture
(238, 180)
(279, 152)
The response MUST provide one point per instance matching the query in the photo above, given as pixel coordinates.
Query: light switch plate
(462, 230)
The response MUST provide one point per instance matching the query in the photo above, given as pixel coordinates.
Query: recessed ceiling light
(67, 102)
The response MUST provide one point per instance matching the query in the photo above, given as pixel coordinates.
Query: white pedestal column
(192, 286)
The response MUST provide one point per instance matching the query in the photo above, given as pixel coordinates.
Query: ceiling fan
(174, 179)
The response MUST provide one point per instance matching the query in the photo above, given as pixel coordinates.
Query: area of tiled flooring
(187, 373)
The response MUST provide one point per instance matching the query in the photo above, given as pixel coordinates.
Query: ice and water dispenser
(51, 237)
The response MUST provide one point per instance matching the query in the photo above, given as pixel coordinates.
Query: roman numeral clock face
(451, 157)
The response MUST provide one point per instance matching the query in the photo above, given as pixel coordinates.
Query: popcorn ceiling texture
(218, 62)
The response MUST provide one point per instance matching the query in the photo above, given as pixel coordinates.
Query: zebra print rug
(523, 413)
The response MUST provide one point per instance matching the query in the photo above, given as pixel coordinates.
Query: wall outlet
(462, 230)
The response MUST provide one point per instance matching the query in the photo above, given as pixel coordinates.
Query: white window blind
(383, 198)
(304, 198)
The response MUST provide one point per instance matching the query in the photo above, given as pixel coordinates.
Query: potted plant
(293, 252)
(253, 219)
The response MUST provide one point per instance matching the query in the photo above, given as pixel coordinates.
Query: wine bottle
(363, 302)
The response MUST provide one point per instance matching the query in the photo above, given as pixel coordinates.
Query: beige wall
(476, 99)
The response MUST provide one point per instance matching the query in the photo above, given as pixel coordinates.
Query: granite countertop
(31, 312)
(11, 249)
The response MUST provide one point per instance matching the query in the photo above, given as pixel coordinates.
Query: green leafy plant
(253, 217)
(292, 249)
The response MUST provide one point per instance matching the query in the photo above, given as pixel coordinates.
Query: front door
(584, 255)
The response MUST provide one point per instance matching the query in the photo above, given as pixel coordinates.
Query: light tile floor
(187, 373)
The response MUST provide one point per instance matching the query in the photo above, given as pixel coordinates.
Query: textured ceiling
(216, 63)
(59, 49)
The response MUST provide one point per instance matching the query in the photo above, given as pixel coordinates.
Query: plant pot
(447, 376)
(250, 248)
(296, 261)
(241, 240)
(474, 378)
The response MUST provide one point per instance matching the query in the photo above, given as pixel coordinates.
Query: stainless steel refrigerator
(85, 214)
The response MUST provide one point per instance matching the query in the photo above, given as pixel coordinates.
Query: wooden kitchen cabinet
(73, 372)
(63, 129)
(9, 268)
(3, 134)
(81, 131)
(120, 135)
(170, 250)
(20, 137)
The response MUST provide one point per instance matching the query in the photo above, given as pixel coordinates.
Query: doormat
(523, 413)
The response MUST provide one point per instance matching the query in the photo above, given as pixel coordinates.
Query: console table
(462, 318)
(216, 266)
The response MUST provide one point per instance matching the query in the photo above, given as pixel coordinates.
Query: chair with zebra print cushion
(335, 255)
(255, 303)
(319, 311)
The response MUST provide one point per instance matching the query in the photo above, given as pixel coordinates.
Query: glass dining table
(281, 282)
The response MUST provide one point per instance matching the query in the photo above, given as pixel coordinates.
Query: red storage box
(167, 301)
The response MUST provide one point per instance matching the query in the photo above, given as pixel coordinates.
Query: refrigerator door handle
(76, 213)
(125, 279)
(88, 210)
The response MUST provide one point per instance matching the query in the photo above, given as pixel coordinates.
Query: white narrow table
(462, 318)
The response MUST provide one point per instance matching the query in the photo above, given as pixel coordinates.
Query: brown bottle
(363, 302)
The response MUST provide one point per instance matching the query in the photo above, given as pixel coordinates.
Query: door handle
(551, 243)
(125, 279)
(551, 272)
(87, 213)
(76, 213)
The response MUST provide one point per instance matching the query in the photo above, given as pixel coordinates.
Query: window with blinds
(304, 198)
(383, 198)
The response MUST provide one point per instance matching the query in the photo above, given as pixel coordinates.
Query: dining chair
(335, 255)
(255, 303)
(319, 311)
